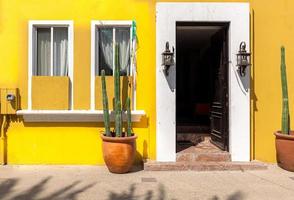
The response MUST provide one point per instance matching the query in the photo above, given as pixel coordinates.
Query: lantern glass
(243, 59)
(238, 60)
(167, 59)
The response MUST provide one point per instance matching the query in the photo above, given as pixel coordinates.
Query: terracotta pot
(285, 150)
(119, 153)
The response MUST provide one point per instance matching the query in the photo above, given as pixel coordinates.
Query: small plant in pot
(285, 137)
(118, 147)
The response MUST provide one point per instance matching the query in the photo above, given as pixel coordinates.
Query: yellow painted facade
(79, 143)
(126, 91)
(47, 93)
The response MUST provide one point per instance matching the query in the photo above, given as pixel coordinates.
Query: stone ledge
(203, 166)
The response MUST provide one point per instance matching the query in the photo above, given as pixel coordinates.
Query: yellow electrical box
(8, 101)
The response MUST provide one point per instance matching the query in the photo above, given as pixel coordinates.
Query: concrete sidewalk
(92, 182)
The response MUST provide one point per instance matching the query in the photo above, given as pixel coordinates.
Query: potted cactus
(285, 137)
(118, 147)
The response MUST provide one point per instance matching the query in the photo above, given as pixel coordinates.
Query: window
(104, 36)
(107, 35)
(51, 54)
(50, 51)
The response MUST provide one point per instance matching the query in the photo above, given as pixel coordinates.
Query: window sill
(72, 115)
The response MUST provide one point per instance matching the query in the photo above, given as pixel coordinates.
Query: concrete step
(203, 157)
(204, 166)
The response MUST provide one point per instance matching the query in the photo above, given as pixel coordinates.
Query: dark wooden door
(219, 106)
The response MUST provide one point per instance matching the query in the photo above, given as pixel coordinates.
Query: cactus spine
(129, 117)
(117, 103)
(105, 105)
(285, 112)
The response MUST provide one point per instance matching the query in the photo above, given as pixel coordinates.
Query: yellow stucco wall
(73, 143)
(273, 27)
(78, 143)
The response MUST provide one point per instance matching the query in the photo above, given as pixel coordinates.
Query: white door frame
(237, 14)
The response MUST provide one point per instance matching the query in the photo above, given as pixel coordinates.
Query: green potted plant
(118, 147)
(285, 137)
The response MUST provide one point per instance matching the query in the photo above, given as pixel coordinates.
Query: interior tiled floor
(196, 143)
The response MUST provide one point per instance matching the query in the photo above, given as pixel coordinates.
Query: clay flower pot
(285, 150)
(119, 153)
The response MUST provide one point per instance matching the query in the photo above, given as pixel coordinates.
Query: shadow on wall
(140, 158)
(253, 96)
(254, 110)
(171, 77)
(66, 192)
(243, 82)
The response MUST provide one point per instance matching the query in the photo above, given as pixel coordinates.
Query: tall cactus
(118, 120)
(117, 103)
(105, 105)
(129, 117)
(285, 112)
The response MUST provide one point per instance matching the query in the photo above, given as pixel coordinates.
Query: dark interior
(197, 58)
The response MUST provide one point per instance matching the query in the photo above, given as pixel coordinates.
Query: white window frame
(95, 24)
(33, 25)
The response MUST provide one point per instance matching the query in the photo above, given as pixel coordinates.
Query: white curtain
(43, 52)
(105, 50)
(60, 51)
(123, 40)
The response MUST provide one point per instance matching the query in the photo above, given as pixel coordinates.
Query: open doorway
(202, 85)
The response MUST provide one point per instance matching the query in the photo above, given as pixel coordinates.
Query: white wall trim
(30, 64)
(50, 23)
(103, 23)
(93, 61)
(239, 87)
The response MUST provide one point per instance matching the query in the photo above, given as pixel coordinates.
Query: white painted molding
(237, 14)
(93, 61)
(72, 115)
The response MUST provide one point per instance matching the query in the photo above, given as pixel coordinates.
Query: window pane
(43, 52)
(60, 51)
(122, 38)
(105, 50)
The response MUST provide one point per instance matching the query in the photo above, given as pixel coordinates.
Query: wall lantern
(167, 58)
(243, 59)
